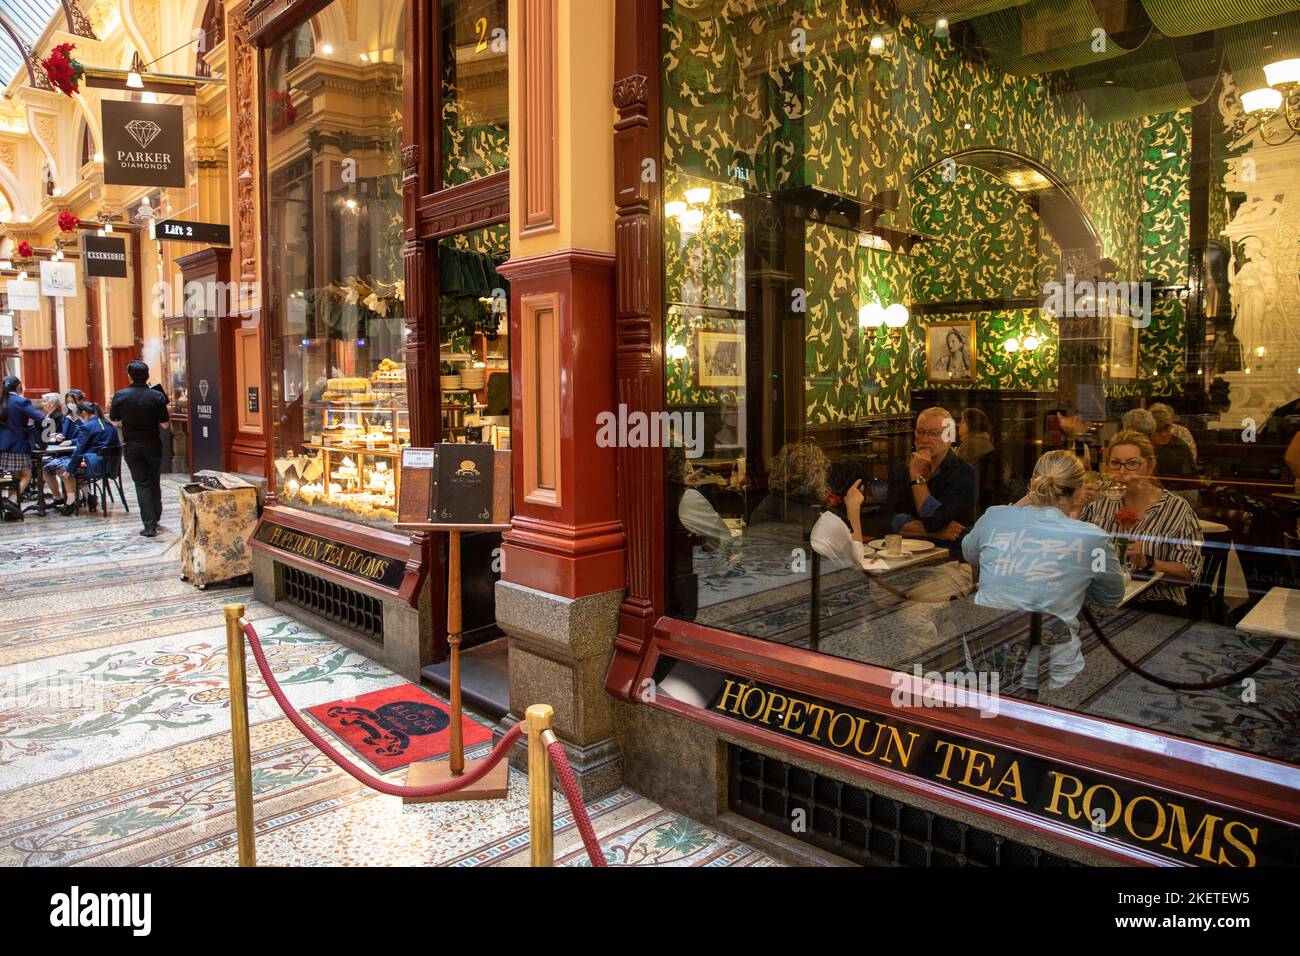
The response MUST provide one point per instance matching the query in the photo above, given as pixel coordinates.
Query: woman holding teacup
(1161, 531)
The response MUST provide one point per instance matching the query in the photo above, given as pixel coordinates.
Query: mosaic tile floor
(114, 748)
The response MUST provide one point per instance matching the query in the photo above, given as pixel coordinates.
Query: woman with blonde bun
(1036, 557)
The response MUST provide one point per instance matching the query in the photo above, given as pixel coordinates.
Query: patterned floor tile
(114, 742)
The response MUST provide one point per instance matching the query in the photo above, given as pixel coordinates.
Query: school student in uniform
(19, 424)
(95, 435)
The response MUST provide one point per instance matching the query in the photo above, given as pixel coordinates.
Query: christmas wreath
(63, 71)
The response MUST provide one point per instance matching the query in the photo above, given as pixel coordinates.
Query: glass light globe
(1012, 345)
(871, 315)
(896, 316)
(1263, 100)
(1281, 72)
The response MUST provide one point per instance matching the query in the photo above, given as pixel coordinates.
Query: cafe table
(39, 457)
(1277, 615)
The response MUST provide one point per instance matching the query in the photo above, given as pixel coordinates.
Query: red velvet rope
(579, 809)
(371, 781)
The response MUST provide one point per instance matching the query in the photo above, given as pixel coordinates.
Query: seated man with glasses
(932, 493)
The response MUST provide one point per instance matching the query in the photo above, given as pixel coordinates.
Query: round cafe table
(39, 457)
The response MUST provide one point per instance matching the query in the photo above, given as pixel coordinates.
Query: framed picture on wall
(950, 351)
(719, 359)
(1123, 348)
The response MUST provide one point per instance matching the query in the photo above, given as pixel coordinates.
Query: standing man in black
(141, 410)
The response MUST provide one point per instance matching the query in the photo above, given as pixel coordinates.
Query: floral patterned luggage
(218, 515)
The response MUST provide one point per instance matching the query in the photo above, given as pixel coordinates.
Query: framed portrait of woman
(950, 351)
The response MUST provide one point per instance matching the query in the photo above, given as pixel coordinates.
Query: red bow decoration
(67, 221)
(25, 249)
(283, 112)
(63, 71)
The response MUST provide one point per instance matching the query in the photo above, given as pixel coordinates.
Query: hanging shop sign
(24, 295)
(144, 144)
(334, 555)
(181, 230)
(104, 256)
(58, 279)
(1157, 821)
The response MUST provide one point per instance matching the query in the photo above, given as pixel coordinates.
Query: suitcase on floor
(218, 515)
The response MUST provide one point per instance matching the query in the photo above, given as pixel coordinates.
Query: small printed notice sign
(418, 458)
(24, 295)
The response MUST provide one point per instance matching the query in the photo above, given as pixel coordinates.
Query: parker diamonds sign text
(144, 144)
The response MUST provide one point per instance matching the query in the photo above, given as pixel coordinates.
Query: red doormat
(395, 727)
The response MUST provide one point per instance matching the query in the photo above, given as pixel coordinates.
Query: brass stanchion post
(495, 783)
(457, 757)
(239, 735)
(541, 817)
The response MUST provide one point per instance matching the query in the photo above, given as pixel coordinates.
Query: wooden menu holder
(417, 487)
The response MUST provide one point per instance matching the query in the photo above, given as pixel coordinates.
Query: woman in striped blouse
(1162, 530)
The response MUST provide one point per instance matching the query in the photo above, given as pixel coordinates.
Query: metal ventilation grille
(862, 826)
(348, 608)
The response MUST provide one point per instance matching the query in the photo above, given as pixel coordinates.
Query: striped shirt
(1169, 531)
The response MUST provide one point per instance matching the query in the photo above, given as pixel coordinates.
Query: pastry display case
(353, 436)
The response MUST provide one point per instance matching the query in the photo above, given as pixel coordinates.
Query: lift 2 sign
(144, 144)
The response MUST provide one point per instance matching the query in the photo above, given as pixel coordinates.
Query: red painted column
(566, 537)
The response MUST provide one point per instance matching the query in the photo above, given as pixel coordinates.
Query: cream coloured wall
(585, 118)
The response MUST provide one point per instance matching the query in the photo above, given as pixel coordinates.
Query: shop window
(474, 354)
(334, 267)
(474, 91)
(881, 218)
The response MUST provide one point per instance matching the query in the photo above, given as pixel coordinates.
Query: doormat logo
(74, 909)
(143, 132)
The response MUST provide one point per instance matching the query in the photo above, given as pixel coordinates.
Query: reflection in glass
(337, 292)
(895, 283)
(475, 90)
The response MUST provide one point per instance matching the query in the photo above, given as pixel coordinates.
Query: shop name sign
(144, 144)
(333, 555)
(104, 256)
(1190, 831)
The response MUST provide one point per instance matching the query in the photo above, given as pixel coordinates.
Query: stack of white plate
(450, 383)
(472, 379)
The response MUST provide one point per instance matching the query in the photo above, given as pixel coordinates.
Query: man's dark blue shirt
(952, 496)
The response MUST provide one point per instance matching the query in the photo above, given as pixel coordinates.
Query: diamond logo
(143, 131)
(203, 389)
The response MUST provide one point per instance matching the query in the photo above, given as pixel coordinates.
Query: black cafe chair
(101, 488)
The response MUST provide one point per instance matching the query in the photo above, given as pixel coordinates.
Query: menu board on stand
(453, 488)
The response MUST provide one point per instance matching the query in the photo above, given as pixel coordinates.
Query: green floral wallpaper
(680, 368)
(744, 107)
(986, 240)
(1166, 202)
